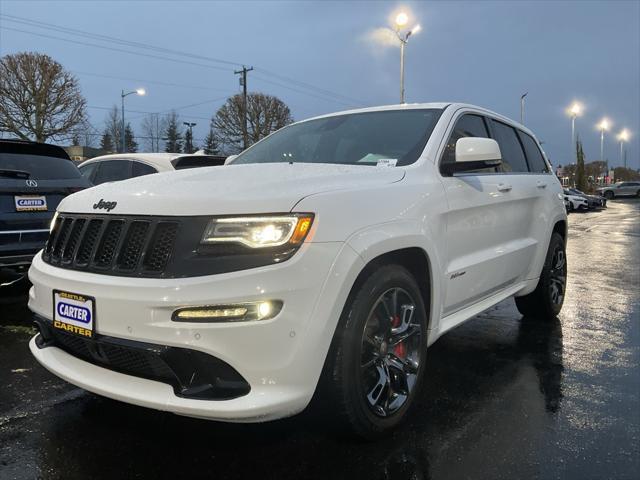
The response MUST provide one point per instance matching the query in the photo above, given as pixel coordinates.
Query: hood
(223, 190)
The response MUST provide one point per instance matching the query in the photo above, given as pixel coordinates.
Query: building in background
(78, 153)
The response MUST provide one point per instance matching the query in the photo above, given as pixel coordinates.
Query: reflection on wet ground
(506, 397)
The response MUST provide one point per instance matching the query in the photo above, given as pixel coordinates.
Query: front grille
(191, 373)
(130, 246)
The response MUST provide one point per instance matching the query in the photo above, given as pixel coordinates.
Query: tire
(609, 195)
(365, 383)
(638, 193)
(571, 207)
(545, 302)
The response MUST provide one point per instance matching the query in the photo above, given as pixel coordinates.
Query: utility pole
(190, 126)
(243, 82)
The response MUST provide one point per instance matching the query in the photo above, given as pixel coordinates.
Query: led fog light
(239, 312)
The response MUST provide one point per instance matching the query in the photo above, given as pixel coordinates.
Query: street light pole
(522, 107)
(604, 125)
(623, 137)
(401, 20)
(402, 44)
(139, 91)
(574, 111)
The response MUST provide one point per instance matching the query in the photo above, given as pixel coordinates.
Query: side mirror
(473, 153)
(230, 159)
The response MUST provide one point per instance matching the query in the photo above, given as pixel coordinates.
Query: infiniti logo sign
(31, 183)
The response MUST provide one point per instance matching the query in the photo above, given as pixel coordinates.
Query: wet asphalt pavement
(505, 397)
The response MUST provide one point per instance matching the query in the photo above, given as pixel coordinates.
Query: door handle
(541, 184)
(504, 187)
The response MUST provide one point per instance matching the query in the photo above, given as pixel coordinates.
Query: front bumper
(281, 358)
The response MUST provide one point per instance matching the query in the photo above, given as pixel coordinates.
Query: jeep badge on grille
(102, 205)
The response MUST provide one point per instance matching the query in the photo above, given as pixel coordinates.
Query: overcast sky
(321, 56)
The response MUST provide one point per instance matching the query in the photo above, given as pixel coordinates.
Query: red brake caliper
(399, 350)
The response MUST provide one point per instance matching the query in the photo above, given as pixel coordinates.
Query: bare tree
(265, 115)
(39, 99)
(153, 128)
(85, 134)
(113, 127)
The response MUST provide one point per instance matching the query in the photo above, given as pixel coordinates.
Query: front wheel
(377, 359)
(546, 300)
(609, 195)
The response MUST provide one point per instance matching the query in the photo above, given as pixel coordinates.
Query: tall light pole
(623, 136)
(522, 107)
(574, 111)
(139, 91)
(401, 21)
(603, 126)
(190, 126)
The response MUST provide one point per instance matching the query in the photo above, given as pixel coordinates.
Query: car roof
(162, 161)
(27, 147)
(435, 105)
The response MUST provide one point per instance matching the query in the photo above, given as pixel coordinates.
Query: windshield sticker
(387, 162)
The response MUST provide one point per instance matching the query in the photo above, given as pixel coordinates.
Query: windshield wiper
(5, 172)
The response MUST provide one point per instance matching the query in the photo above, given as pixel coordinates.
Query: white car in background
(121, 166)
(576, 202)
(338, 247)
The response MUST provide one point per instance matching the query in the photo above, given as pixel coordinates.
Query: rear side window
(513, 159)
(534, 155)
(112, 171)
(39, 167)
(139, 169)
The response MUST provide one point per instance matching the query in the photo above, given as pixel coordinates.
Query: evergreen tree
(581, 178)
(130, 144)
(211, 143)
(106, 142)
(173, 134)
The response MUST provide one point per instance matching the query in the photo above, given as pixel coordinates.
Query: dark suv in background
(34, 178)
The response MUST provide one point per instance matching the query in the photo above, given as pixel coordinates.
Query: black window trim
(487, 116)
(537, 144)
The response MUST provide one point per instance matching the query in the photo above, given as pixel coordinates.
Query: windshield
(37, 167)
(394, 137)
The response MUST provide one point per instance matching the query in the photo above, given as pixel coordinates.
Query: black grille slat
(108, 244)
(161, 246)
(129, 256)
(61, 238)
(89, 241)
(74, 239)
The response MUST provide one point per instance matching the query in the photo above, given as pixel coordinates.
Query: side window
(112, 171)
(466, 126)
(534, 155)
(87, 170)
(513, 159)
(139, 169)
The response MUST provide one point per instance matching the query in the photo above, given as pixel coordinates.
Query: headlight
(259, 231)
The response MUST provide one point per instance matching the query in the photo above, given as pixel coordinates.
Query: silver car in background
(620, 189)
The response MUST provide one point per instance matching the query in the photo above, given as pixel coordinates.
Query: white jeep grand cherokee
(339, 248)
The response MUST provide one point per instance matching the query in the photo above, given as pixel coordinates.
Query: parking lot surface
(505, 397)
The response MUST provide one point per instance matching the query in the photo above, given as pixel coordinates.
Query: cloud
(381, 37)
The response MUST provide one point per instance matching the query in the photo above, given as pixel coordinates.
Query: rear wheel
(546, 300)
(376, 363)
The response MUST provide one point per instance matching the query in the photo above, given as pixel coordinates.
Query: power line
(70, 31)
(85, 44)
(146, 81)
